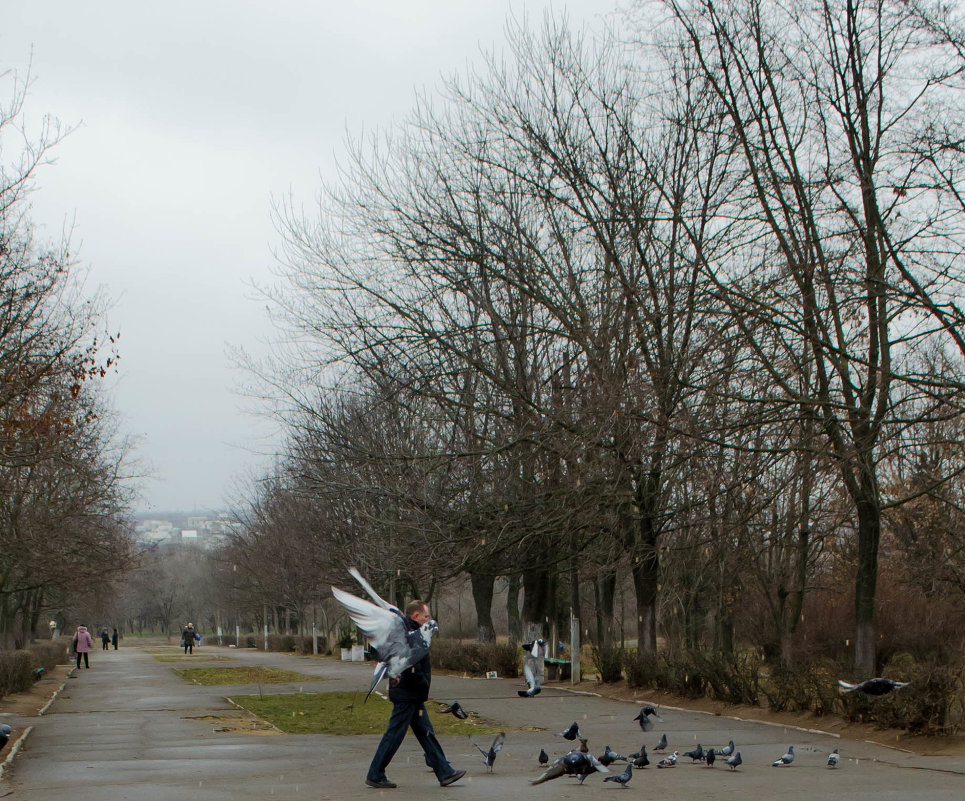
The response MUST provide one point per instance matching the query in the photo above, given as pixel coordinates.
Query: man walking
(408, 694)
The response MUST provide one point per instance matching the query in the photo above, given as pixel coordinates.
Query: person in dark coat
(408, 694)
(114, 639)
(187, 638)
(105, 639)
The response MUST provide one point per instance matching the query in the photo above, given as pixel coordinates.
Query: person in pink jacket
(81, 644)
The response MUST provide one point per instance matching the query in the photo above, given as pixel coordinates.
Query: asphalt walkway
(130, 729)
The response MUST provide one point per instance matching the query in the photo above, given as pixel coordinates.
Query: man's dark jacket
(412, 685)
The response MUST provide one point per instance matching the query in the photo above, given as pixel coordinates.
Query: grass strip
(242, 675)
(344, 713)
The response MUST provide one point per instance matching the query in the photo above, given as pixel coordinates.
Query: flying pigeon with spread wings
(384, 626)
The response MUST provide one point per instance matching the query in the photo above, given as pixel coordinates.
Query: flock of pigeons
(580, 763)
(384, 626)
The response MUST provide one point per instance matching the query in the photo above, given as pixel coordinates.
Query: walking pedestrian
(408, 694)
(114, 638)
(105, 639)
(81, 645)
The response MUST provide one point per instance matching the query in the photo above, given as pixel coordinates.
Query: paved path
(129, 729)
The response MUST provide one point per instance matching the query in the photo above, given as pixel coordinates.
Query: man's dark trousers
(404, 715)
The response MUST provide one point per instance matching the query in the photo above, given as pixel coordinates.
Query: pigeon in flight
(662, 745)
(5, 731)
(623, 778)
(668, 762)
(734, 761)
(573, 732)
(574, 763)
(644, 717)
(489, 757)
(385, 627)
(610, 756)
(833, 758)
(711, 757)
(727, 750)
(532, 667)
(456, 710)
(543, 757)
(871, 686)
(697, 754)
(784, 759)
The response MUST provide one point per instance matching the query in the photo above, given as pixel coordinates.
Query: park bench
(556, 669)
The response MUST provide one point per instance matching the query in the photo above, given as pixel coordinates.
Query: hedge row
(932, 703)
(18, 669)
(476, 659)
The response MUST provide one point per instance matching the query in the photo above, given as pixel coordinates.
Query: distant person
(187, 638)
(114, 639)
(105, 640)
(81, 645)
(197, 640)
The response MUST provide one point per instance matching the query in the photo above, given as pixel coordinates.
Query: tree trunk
(866, 579)
(512, 609)
(536, 587)
(482, 596)
(605, 595)
(646, 573)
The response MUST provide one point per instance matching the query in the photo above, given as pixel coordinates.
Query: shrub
(18, 668)
(803, 688)
(609, 661)
(674, 671)
(476, 658)
(732, 678)
(924, 706)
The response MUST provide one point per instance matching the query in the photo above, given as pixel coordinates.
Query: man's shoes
(381, 784)
(452, 778)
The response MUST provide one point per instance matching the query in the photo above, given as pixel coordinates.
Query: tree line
(676, 302)
(63, 501)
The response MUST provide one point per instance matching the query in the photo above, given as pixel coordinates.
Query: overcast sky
(189, 117)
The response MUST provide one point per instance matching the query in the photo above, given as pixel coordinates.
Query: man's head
(418, 611)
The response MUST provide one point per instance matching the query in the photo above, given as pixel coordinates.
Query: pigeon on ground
(784, 759)
(623, 778)
(697, 754)
(584, 748)
(495, 748)
(734, 761)
(668, 762)
(727, 750)
(543, 757)
(833, 758)
(572, 732)
(5, 731)
(610, 756)
(455, 708)
(641, 752)
(871, 686)
(387, 629)
(711, 757)
(534, 653)
(641, 760)
(662, 745)
(574, 763)
(644, 717)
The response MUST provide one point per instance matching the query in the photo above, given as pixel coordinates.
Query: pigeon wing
(554, 771)
(382, 627)
(498, 742)
(379, 600)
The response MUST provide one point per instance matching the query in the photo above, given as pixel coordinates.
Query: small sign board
(491, 674)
